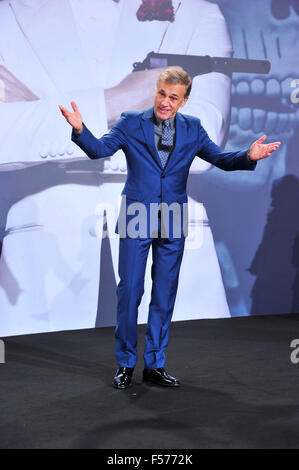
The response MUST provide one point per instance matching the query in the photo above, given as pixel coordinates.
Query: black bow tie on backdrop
(149, 10)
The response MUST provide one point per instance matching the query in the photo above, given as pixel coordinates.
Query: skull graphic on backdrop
(260, 104)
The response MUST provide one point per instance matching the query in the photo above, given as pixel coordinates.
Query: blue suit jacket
(147, 181)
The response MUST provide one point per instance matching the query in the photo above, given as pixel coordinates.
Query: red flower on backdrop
(150, 10)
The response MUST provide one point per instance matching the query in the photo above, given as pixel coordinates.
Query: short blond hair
(176, 75)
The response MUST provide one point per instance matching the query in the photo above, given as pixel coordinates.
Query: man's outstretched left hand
(258, 150)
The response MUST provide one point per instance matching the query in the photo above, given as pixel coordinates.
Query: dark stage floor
(239, 389)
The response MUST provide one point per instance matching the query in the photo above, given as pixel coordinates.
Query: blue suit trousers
(167, 256)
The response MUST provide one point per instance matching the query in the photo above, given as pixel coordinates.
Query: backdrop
(59, 252)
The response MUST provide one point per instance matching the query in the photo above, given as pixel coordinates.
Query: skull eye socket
(280, 9)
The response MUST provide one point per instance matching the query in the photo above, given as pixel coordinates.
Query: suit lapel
(147, 123)
(180, 138)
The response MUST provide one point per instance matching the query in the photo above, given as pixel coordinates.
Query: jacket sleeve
(105, 146)
(228, 161)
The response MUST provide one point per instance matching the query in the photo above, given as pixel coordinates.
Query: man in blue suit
(160, 145)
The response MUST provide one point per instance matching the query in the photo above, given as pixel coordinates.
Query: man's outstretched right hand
(74, 119)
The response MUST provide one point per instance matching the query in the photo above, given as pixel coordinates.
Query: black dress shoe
(160, 377)
(123, 377)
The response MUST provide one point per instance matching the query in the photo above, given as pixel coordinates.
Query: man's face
(168, 99)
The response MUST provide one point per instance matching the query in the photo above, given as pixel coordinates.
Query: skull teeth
(279, 114)
(271, 87)
(260, 120)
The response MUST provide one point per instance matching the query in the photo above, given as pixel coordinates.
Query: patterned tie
(166, 143)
